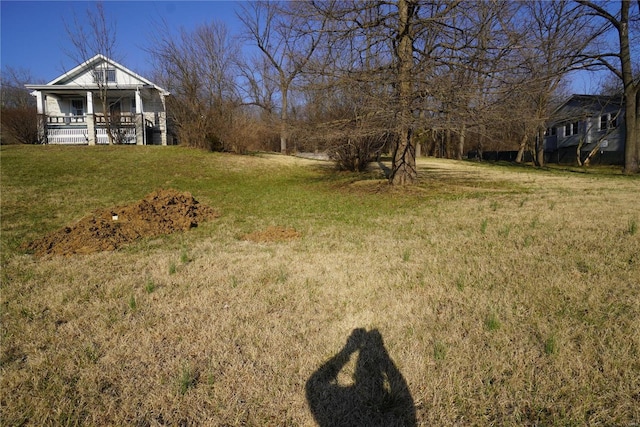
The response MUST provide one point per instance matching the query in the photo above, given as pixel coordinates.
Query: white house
(587, 122)
(71, 107)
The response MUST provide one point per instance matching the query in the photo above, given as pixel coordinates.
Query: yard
(487, 294)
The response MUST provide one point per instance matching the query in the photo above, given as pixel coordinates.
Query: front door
(114, 111)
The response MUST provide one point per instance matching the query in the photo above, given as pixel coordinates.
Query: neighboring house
(71, 110)
(588, 124)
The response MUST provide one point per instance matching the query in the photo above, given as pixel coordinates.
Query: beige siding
(55, 106)
(85, 79)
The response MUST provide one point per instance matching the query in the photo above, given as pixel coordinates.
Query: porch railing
(68, 136)
(122, 135)
(73, 129)
(66, 120)
(121, 119)
(117, 119)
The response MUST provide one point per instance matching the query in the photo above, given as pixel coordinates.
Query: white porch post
(39, 101)
(140, 137)
(42, 119)
(91, 120)
(163, 120)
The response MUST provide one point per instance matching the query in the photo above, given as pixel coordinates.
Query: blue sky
(33, 35)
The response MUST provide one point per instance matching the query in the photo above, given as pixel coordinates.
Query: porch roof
(81, 89)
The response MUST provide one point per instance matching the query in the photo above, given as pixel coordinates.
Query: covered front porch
(78, 117)
(75, 129)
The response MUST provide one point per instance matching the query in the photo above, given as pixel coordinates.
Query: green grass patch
(551, 345)
(188, 379)
(492, 322)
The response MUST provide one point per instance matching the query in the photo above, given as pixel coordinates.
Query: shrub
(355, 153)
(19, 126)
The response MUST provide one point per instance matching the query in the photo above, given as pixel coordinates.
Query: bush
(355, 154)
(19, 126)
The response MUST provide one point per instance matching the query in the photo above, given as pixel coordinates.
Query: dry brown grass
(503, 297)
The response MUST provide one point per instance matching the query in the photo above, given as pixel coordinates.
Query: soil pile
(161, 212)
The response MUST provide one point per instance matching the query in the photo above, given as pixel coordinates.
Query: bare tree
(96, 34)
(472, 87)
(260, 86)
(620, 62)
(438, 71)
(345, 115)
(286, 35)
(13, 93)
(17, 108)
(554, 39)
(403, 169)
(199, 67)
(391, 50)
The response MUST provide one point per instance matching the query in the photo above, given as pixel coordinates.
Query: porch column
(39, 101)
(91, 120)
(139, 119)
(163, 120)
(42, 118)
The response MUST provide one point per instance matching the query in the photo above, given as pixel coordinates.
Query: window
(608, 122)
(77, 107)
(133, 105)
(99, 76)
(550, 132)
(571, 129)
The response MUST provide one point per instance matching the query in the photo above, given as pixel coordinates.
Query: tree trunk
(625, 73)
(632, 128)
(540, 147)
(592, 153)
(107, 117)
(284, 128)
(432, 149)
(447, 142)
(632, 145)
(403, 170)
(578, 151)
(404, 160)
(523, 145)
(461, 137)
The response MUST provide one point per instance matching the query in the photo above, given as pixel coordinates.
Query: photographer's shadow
(377, 396)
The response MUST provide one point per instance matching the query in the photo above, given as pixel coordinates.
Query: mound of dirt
(161, 212)
(272, 234)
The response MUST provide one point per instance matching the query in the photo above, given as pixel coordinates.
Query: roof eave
(99, 57)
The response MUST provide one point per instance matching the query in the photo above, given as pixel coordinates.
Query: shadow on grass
(433, 180)
(377, 396)
(385, 169)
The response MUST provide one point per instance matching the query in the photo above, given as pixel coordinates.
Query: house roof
(69, 76)
(578, 106)
(593, 101)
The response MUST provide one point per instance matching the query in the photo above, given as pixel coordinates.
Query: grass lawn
(485, 295)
